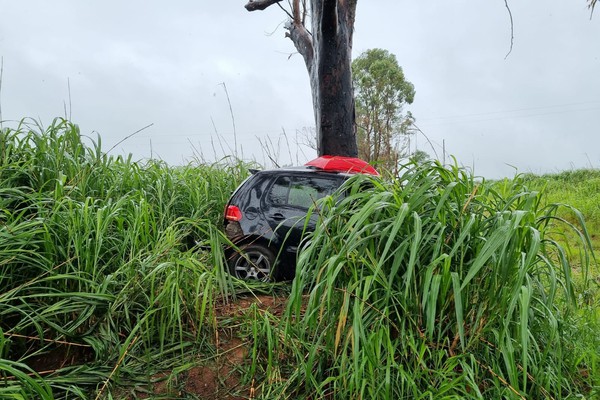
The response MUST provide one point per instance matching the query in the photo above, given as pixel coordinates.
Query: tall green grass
(107, 265)
(434, 285)
(578, 188)
(428, 285)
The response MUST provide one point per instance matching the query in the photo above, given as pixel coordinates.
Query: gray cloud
(140, 62)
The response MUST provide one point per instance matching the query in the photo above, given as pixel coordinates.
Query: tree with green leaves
(381, 92)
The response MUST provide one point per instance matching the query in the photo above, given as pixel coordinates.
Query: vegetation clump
(435, 285)
(106, 265)
(429, 285)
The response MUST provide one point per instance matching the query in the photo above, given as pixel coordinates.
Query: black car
(266, 215)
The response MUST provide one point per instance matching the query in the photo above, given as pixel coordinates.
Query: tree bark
(333, 95)
(254, 5)
(327, 55)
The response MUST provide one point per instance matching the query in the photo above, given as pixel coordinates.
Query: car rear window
(300, 191)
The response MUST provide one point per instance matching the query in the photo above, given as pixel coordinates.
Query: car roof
(301, 169)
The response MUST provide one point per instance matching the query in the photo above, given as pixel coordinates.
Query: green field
(434, 284)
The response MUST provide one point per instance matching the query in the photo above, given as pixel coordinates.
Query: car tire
(253, 262)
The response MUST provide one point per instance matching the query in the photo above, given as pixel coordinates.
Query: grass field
(432, 285)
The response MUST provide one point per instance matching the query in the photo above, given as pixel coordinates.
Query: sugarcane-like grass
(431, 284)
(116, 262)
(435, 285)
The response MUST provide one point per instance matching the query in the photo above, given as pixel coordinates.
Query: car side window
(278, 194)
(300, 192)
(303, 195)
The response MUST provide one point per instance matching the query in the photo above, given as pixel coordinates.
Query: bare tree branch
(302, 41)
(254, 5)
(285, 11)
(512, 30)
(304, 12)
(296, 11)
(591, 5)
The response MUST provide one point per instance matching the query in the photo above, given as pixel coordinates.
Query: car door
(287, 202)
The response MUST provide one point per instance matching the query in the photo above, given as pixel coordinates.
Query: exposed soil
(221, 378)
(273, 304)
(61, 356)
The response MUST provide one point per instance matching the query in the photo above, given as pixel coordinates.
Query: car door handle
(278, 217)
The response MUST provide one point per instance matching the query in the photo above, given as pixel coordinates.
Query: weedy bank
(110, 270)
(579, 188)
(429, 285)
(436, 285)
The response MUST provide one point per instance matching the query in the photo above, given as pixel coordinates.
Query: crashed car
(265, 217)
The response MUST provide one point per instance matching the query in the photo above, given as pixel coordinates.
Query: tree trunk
(333, 95)
(327, 55)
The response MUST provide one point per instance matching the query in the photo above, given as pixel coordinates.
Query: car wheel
(253, 262)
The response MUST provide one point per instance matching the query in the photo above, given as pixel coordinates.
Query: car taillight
(233, 213)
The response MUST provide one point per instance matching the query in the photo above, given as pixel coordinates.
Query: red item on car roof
(343, 164)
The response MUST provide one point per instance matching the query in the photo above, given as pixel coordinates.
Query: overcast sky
(133, 63)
